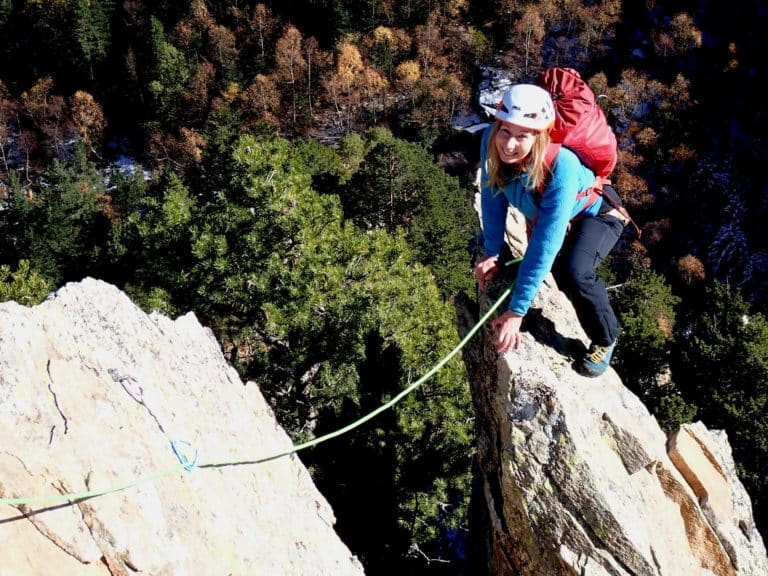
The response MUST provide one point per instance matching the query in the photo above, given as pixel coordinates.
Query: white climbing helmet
(527, 105)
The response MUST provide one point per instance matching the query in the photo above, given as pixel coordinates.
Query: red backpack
(579, 122)
(581, 126)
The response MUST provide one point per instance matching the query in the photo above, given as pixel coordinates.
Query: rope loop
(188, 466)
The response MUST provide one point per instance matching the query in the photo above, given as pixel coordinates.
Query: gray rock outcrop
(93, 392)
(577, 477)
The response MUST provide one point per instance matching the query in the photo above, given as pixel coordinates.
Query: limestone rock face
(577, 477)
(93, 392)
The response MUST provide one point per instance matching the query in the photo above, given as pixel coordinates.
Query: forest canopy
(290, 171)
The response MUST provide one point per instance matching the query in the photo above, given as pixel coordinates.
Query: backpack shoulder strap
(550, 154)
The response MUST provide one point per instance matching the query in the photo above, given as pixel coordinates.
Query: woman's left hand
(507, 328)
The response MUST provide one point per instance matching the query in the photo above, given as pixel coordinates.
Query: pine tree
(646, 309)
(722, 367)
(92, 30)
(169, 75)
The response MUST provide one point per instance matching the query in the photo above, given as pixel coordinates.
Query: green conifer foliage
(60, 227)
(159, 234)
(170, 74)
(723, 368)
(646, 308)
(398, 186)
(5, 10)
(92, 29)
(331, 322)
(23, 285)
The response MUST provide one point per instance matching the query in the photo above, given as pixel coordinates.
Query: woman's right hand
(486, 269)
(507, 330)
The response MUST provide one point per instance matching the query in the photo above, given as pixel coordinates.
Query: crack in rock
(56, 402)
(133, 388)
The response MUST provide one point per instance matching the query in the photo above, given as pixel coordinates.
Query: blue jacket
(557, 206)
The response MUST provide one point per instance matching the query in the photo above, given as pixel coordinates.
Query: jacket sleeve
(493, 206)
(555, 210)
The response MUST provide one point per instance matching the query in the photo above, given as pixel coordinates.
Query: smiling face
(514, 143)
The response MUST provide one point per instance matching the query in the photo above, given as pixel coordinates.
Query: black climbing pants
(586, 246)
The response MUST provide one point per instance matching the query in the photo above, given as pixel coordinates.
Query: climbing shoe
(597, 359)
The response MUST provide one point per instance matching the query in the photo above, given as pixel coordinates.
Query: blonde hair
(500, 174)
